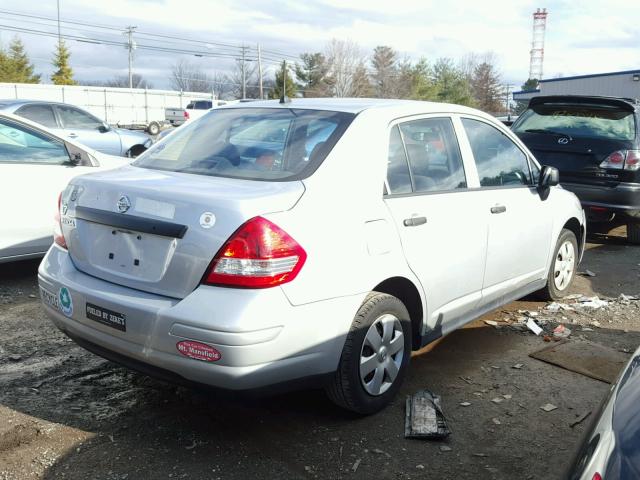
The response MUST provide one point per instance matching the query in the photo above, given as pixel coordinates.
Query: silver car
(319, 240)
(68, 121)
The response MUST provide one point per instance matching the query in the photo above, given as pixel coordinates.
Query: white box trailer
(124, 107)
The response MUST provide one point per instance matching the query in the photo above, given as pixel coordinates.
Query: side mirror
(104, 128)
(549, 177)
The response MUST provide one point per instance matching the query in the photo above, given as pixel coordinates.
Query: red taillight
(597, 476)
(258, 255)
(58, 236)
(186, 115)
(622, 159)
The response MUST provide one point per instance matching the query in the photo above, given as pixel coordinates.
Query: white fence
(124, 106)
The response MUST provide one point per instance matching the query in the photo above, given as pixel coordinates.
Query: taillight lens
(58, 236)
(186, 115)
(258, 255)
(597, 476)
(623, 159)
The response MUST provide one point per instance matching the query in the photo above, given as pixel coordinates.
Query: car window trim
(43, 133)
(411, 118)
(507, 133)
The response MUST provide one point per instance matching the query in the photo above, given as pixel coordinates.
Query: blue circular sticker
(65, 302)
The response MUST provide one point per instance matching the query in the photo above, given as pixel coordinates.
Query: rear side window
(579, 121)
(499, 161)
(434, 155)
(42, 114)
(271, 144)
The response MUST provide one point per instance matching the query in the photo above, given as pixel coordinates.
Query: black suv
(594, 143)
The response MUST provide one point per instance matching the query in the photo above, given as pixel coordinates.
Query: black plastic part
(131, 222)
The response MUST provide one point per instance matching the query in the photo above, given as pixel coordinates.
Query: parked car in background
(195, 109)
(594, 143)
(71, 122)
(35, 166)
(611, 447)
(331, 236)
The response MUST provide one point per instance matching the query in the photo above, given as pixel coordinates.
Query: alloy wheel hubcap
(381, 354)
(564, 265)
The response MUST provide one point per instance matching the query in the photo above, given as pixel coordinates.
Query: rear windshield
(251, 143)
(578, 121)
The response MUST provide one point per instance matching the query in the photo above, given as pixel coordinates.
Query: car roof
(357, 105)
(11, 102)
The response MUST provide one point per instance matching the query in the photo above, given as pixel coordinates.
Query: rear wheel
(153, 128)
(563, 267)
(633, 232)
(375, 356)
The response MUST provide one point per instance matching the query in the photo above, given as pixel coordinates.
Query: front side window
(252, 143)
(42, 114)
(498, 159)
(20, 144)
(434, 155)
(74, 118)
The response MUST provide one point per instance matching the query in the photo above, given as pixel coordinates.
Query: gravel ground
(65, 413)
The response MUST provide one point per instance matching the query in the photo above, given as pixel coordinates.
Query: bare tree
(347, 74)
(122, 81)
(188, 77)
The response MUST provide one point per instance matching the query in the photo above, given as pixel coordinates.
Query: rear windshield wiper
(549, 132)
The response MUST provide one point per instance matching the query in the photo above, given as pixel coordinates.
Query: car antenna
(283, 97)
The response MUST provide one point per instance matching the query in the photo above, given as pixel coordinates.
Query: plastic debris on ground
(549, 407)
(424, 417)
(533, 326)
(561, 332)
(591, 302)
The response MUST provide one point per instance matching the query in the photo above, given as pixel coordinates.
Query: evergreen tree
(312, 75)
(15, 66)
(288, 82)
(63, 74)
(385, 72)
(452, 86)
(487, 89)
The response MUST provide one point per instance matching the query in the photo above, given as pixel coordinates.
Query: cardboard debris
(580, 419)
(424, 417)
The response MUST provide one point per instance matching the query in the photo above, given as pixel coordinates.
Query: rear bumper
(623, 199)
(263, 340)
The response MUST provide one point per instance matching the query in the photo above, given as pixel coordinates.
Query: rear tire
(563, 267)
(633, 233)
(375, 356)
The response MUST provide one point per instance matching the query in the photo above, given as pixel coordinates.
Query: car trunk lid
(158, 231)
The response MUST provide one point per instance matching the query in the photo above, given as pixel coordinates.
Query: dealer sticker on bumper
(107, 317)
(62, 301)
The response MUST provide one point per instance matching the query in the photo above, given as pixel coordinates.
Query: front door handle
(414, 221)
(73, 135)
(498, 209)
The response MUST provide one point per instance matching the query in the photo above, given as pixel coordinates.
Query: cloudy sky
(582, 37)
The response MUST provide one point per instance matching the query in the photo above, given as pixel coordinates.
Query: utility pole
(244, 70)
(59, 34)
(131, 47)
(260, 72)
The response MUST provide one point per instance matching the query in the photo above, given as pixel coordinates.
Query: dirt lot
(65, 413)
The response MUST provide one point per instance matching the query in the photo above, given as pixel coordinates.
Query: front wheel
(563, 267)
(375, 356)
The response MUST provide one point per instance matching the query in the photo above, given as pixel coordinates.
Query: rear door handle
(498, 209)
(414, 221)
(73, 135)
